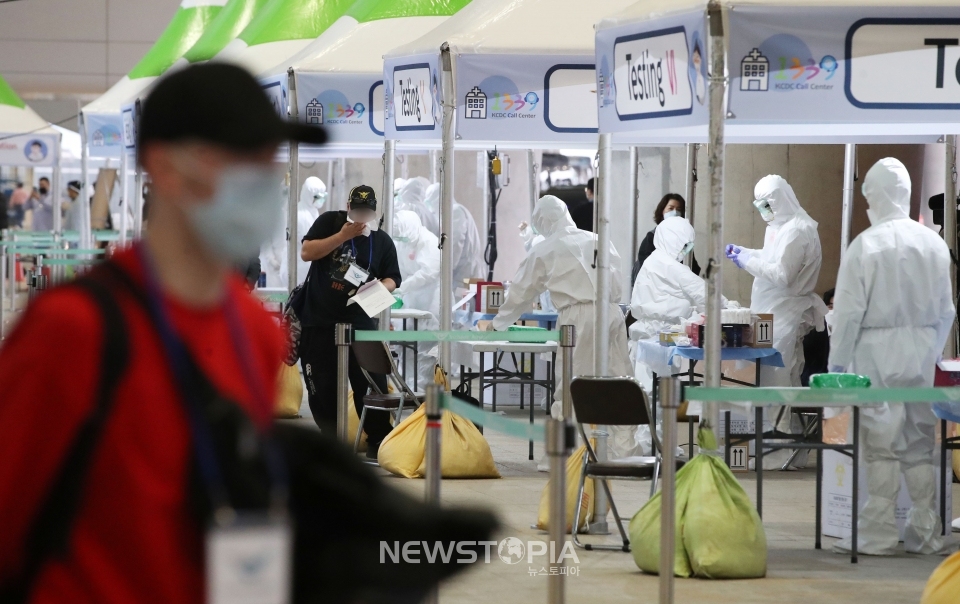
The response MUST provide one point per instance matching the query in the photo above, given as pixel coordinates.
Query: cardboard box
(759, 334)
(837, 485)
(481, 300)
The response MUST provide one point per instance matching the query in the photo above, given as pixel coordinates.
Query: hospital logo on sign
(314, 112)
(475, 105)
(754, 72)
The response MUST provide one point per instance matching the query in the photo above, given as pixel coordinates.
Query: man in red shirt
(208, 136)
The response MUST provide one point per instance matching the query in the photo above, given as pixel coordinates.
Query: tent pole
(950, 229)
(55, 190)
(137, 182)
(124, 197)
(601, 307)
(386, 201)
(446, 200)
(634, 207)
(849, 174)
(691, 192)
(293, 195)
(714, 269)
(434, 166)
(343, 192)
(85, 188)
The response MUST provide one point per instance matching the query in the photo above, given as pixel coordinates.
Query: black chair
(375, 357)
(613, 401)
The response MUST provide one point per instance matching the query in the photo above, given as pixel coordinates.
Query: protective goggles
(763, 206)
(686, 250)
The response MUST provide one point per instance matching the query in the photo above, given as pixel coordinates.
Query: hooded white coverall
(562, 265)
(410, 197)
(666, 290)
(893, 311)
(465, 238)
(419, 258)
(785, 274)
(313, 197)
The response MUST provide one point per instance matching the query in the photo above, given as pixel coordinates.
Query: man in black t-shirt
(335, 242)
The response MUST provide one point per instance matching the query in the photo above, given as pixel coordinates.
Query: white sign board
(898, 64)
(413, 98)
(650, 74)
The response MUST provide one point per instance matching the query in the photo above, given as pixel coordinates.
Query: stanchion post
(344, 338)
(432, 453)
(558, 436)
(670, 402)
(568, 341)
(432, 450)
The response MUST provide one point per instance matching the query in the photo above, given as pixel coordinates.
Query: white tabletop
(409, 313)
(468, 353)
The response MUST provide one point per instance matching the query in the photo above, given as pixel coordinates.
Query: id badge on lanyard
(250, 560)
(356, 275)
(248, 555)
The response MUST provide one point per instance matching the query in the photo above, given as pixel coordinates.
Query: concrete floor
(797, 573)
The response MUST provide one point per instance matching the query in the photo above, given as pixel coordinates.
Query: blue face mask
(670, 214)
(243, 214)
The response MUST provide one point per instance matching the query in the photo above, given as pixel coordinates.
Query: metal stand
(670, 402)
(559, 436)
(344, 338)
(714, 268)
(386, 200)
(950, 229)
(293, 191)
(568, 341)
(432, 453)
(447, 186)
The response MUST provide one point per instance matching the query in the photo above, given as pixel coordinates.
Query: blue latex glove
(741, 257)
(836, 369)
(731, 250)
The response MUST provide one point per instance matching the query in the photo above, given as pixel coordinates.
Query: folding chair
(613, 401)
(375, 357)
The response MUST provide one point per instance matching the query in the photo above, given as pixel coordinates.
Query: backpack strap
(49, 533)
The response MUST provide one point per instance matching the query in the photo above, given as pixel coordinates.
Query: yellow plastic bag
(944, 584)
(353, 424)
(719, 533)
(574, 465)
(464, 452)
(289, 392)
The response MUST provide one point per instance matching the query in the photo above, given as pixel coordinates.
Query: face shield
(763, 206)
(686, 250)
(319, 199)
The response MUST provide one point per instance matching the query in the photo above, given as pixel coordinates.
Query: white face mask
(670, 214)
(243, 214)
(367, 217)
(319, 199)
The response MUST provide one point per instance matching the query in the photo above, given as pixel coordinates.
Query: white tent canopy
(26, 139)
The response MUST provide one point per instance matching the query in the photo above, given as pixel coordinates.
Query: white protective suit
(785, 274)
(313, 196)
(467, 247)
(893, 312)
(562, 265)
(666, 290)
(273, 255)
(410, 197)
(419, 258)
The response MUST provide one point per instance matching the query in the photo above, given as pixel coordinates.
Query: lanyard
(176, 353)
(370, 260)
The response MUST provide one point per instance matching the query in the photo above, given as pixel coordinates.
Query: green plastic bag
(525, 328)
(719, 533)
(839, 380)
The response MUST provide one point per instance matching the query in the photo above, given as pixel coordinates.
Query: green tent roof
(9, 97)
(184, 30)
(365, 11)
(224, 28)
(282, 20)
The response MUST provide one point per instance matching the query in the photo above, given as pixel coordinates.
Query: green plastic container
(839, 380)
(525, 328)
(398, 303)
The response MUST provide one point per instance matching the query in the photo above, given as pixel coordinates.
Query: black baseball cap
(363, 196)
(221, 104)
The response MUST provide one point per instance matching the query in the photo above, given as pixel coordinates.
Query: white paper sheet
(373, 298)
